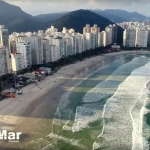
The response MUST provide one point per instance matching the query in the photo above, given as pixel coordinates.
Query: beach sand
(32, 113)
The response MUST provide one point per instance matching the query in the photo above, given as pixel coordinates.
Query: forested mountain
(79, 18)
(16, 20)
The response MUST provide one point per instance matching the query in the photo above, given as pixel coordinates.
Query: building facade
(4, 61)
(17, 62)
(46, 51)
(3, 36)
(141, 38)
(129, 37)
(109, 35)
(36, 43)
(25, 49)
(54, 53)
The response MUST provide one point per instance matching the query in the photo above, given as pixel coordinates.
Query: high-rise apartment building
(109, 34)
(88, 40)
(54, 53)
(93, 40)
(3, 36)
(129, 37)
(79, 42)
(65, 30)
(103, 35)
(67, 39)
(100, 39)
(17, 62)
(115, 33)
(58, 41)
(87, 29)
(95, 29)
(46, 51)
(51, 30)
(4, 60)
(148, 41)
(36, 43)
(141, 38)
(25, 49)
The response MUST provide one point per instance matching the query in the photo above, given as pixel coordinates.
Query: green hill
(16, 20)
(115, 15)
(9, 13)
(79, 18)
(49, 17)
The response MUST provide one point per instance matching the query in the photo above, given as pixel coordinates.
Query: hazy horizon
(56, 6)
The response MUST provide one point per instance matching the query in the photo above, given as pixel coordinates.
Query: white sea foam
(64, 101)
(123, 113)
(67, 140)
(90, 113)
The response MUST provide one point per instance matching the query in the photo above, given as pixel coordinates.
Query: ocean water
(108, 110)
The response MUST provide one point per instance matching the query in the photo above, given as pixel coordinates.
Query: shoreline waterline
(31, 105)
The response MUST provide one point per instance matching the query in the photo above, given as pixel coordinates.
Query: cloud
(46, 6)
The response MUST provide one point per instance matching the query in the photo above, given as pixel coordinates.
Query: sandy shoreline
(38, 104)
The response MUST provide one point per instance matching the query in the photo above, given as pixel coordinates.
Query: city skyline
(46, 6)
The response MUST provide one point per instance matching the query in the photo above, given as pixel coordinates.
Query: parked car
(9, 94)
(19, 92)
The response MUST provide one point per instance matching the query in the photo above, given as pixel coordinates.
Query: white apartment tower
(115, 33)
(25, 49)
(95, 30)
(51, 30)
(65, 30)
(58, 41)
(4, 60)
(36, 43)
(87, 29)
(100, 39)
(74, 45)
(3, 36)
(141, 38)
(93, 41)
(129, 36)
(148, 43)
(79, 42)
(103, 35)
(17, 62)
(88, 40)
(50, 38)
(68, 45)
(12, 42)
(46, 51)
(71, 31)
(109, 35)
(55, 55)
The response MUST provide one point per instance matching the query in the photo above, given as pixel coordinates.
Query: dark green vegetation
(115, 15)
(10, 13)
(118, 15)
(49, 17)
(17, 20)
(79, 18)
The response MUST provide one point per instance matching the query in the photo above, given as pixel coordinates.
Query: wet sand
(32, 113)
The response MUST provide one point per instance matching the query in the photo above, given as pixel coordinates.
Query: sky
(36, 7)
